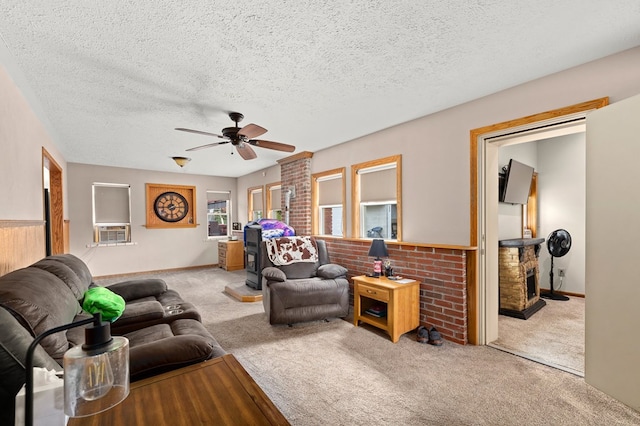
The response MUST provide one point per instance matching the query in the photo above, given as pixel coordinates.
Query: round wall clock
(171, 206)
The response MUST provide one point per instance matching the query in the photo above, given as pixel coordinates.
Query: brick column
(295, 172)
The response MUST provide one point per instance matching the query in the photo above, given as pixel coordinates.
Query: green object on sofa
(105, 301)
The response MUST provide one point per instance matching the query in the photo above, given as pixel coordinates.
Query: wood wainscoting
(22, 243)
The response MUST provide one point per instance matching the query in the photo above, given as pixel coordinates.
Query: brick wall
(297, 173)
(441, 273)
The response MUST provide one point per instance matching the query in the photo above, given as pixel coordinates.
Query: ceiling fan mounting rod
(236, 116)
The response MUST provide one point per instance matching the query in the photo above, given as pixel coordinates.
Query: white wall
(154, 249)
(22, 137)
(435, 148)
(561, 205)
(259, 178)
(560, 165)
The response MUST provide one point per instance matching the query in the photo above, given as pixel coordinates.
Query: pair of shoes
(435, 338)
(423, 335)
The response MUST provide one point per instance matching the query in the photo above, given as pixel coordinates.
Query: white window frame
(358, 212)
(227, 215)
(251, 211)
(110, 232)
(317, 208)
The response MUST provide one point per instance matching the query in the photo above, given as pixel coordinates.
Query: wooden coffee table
(216, 392)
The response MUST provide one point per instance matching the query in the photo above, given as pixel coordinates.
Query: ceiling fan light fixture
(181, 161)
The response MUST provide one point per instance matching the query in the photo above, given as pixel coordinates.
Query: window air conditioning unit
(112, 234)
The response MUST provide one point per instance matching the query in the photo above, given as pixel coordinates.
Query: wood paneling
(21, 244)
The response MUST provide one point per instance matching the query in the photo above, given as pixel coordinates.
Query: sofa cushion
(300, 270)
(165, 347)
(40, 301)
(66, 274)
(331, 270)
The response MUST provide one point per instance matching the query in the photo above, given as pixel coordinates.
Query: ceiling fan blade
(273, 145)
(199, 132)
(209, 145)
(252, 130)
(245, 151)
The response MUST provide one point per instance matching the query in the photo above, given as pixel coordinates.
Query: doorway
(554, 335)
(53, 210)
(483, 314)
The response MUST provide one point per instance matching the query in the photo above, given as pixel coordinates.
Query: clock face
(171, 207)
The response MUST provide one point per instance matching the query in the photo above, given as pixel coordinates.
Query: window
(377, 189)
(328, 203)
(274, 201)
(111, 213)
(255, 203)
(218, 213)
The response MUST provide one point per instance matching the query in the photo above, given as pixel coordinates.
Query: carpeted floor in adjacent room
(333, 373)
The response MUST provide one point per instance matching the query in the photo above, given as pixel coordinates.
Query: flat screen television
(517, 183)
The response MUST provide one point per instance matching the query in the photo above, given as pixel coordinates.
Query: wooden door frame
(473, 257)
(56, 201)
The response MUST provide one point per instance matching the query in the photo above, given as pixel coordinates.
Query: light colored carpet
(554, 335)
(336, 374)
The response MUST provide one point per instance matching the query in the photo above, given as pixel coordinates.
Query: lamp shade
(96, 374)
(96, 379)
(378, 249)
(181, 161)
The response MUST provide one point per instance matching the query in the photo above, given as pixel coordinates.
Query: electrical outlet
(561, 272)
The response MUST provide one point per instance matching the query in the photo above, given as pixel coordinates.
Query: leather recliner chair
(304, 291)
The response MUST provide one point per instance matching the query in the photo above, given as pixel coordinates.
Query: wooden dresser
(231, 255)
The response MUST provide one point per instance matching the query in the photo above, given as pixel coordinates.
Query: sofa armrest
(331, 271)
(138, 289)
(273, 274)
(136, 313)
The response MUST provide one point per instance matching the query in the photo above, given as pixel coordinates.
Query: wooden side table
(402, 300)
(231, 255)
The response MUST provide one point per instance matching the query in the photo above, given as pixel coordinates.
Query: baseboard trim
(566, 293)
(156, 271)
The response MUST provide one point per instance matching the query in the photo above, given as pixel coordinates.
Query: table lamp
(378, 249)
(96, 374)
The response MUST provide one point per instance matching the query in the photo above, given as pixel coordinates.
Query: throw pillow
(103, 300)
(331, 271)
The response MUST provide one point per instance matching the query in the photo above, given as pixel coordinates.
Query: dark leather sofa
(164, 331)
(304, 291)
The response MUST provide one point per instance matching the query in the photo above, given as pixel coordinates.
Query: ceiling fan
(241, 138)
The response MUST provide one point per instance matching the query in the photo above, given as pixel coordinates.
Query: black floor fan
(558, 244)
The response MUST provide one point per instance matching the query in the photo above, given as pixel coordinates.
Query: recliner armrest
(140, 312)
(273, 274)
(138, 289)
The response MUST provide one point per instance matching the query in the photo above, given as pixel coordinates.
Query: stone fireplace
(519, 275)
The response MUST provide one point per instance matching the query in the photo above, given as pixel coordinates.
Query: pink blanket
(288, 250)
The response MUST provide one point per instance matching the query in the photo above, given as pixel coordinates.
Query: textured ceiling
(113, 79)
